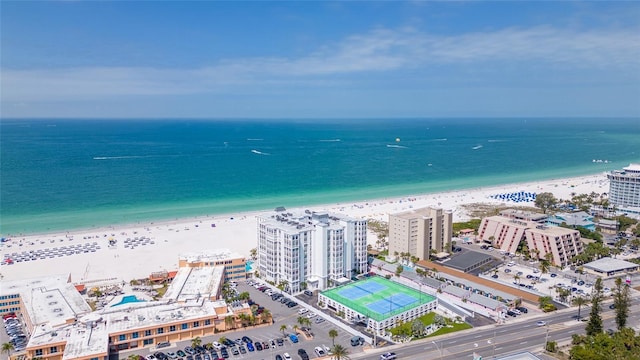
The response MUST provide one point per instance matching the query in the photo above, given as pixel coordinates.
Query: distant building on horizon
(420, 232)
(624, 189)
(314, 248)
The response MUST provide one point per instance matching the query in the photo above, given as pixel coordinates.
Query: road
(514, 336)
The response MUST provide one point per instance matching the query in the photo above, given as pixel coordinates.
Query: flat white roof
(608, 264)
(210, 255)
(48, 299)
(191, 284)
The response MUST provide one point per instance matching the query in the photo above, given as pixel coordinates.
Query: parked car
(258, 346)
(303, 354)
(388, 356)
(247, 339)
(278, 357)
(308, 293)
(293, 338)
(287, 356)
(357, 340)
(319, 351)
(250, 347)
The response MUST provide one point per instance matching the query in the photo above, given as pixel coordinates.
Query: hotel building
(235, 265)
(506, 233)
(624, 188)
(420, 232)
(60, 324)
(315, 248)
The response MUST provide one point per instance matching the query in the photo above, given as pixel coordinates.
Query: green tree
(545, 201)
(283, 328)
(417, 327)
(253, 253)
(229, 322)
(7, 348)
(333, 333)
(594, 326)
(196, 341)
(622, 345)
(579, 301)
(244, 295)
(622, 301)
(399, 270)
(282, 285)
(340, 352)
(266, 315)
(222, 340)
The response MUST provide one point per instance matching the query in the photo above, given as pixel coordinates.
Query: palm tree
(253, 253)
(516, 278)
(295, 328)
(283, 328)
(333, 334)
(340, 352)
(196, 341)
(133, 357)
(282, 285)
(7, 348)
(229, 322)
(266, 315)
(222, 340)
(579, 301)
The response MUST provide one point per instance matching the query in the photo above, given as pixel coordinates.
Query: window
(122, 337)
(53, 350)
(39, 352)
(160, 330)
(184, 326)
(172, 328)
(135, 335)
(147, 333)
(207, 322)
(196, 324)
(148, 341)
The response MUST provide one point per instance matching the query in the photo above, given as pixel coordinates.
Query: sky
(319, 59)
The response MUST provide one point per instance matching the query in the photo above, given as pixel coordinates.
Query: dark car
(247, 339)
(258, 346)
(523, 309)
(280, 342)
(229, 342)
(242, 349)
(612, 306)
(250, 347)
(279, 357)
(224, 353)
(303, 354)
(495, 276)
(200, 349)
(511, 313)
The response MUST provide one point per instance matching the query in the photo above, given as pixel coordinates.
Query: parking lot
(282, 315)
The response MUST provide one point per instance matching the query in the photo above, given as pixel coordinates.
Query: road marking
(478, 336)
(524, 342)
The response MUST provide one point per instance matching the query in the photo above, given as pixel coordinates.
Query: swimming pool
(128, 299)
(248, 266)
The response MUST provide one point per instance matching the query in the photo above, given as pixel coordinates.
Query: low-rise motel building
(61, 325)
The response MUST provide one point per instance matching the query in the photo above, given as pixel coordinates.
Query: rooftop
(607, 264)
(48, 299)
(210, 255)
(191, 284)
(425, 212)
(466, 260)
(302, 220)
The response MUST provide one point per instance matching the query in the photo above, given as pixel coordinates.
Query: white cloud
(378, 51)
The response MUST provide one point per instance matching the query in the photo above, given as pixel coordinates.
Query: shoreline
(237, 231)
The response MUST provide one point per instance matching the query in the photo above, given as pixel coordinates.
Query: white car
(388, 356)
(302, 311)
(217, 345)
(311, 315)
(287, 356)
(541, 323)
(319, 351)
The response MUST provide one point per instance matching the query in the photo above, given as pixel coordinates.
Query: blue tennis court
(353, 293)
(371, 287)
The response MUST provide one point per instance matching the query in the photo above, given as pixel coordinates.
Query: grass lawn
(427, 320)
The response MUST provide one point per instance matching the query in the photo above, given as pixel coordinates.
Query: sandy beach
(159, 244)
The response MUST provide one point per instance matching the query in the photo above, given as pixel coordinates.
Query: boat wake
(331, 140)
(396, 146)
(259, 152)
(119, 157)
(251, 139)
(477, 147)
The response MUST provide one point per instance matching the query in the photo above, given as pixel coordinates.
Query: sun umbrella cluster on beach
(517, 197)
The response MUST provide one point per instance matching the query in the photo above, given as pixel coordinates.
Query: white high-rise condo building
(420, 232)
(624, 187)
(310, 247)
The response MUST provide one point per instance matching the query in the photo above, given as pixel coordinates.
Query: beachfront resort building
(235, 265)
(420, 232)
(316, 249)
(624, 189)
(506, 233)
(60, 324)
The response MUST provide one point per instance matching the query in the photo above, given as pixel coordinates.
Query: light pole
(437, 347)
(493, 342)
(546, 338)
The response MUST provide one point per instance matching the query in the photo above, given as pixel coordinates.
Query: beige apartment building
(235, 265)
(420, 232)
(506, 233)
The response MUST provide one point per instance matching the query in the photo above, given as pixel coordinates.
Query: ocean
(60, 174)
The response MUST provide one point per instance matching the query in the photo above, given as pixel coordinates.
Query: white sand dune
(237, 232)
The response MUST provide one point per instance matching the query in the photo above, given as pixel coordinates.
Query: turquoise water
(248, 265)
(128, 299)
(70, 174)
